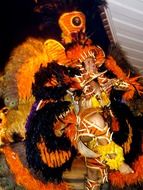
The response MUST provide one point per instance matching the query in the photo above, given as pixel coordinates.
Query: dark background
(15, 20)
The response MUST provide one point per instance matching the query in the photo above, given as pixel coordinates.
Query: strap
(91, 184)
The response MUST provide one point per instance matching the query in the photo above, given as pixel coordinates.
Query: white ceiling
(125, 18)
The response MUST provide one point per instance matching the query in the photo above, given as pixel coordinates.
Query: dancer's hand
(125, 168)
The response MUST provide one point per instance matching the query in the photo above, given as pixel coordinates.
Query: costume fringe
(53, 159)
(127, 144)
(25, 75)
(134, 86)
(23, 176)
(111, 65)
(115, 125)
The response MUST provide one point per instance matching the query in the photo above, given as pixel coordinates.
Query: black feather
(41, 125)
(125, 117)
(45, 74)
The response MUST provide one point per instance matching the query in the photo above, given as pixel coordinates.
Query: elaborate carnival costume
(94, 116)
(53, 118)
(108, 153)
(95, 103)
